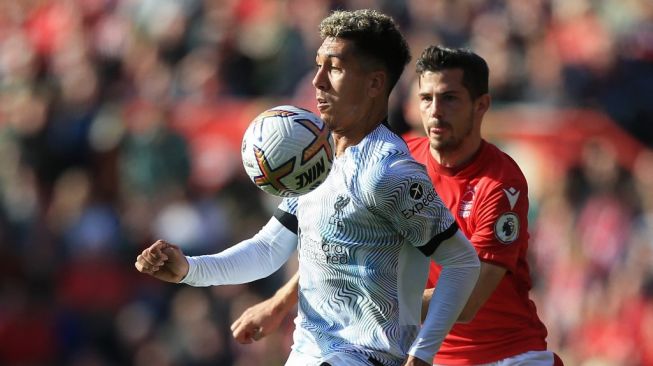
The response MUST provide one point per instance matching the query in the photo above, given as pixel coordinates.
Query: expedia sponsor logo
(416, 191)
(424, 199)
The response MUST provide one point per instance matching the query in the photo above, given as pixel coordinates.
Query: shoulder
(385, 162)
(393, 176)
(500, 170)
(381, 150)
(388, 155)
(416, 142)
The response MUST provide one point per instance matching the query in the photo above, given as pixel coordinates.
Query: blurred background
(120, 123)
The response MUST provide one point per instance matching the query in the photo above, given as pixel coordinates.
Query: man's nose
(320, 80)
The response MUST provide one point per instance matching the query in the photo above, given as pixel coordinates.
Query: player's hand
(258, 321)
(414, 361)
(164, 261)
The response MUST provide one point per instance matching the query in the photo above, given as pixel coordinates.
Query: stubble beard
(453, 142)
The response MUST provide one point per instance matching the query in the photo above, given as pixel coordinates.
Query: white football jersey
(365, 237)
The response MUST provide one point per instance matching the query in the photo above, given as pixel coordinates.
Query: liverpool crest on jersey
(336, 218)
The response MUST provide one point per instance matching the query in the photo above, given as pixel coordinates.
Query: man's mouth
(322, 103)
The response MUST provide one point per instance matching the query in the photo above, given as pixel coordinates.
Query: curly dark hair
(375, 36)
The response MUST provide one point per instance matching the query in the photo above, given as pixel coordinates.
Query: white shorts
(340, 359)
(531, 358)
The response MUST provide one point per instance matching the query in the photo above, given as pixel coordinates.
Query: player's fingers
(235, 325)
(145, 267)
(164, 247)
(138, 265)
(142, 266)
(257, 333)
(245, 332)
(154, 256)
(170, 250)
(244, 320)
(241, 336)
(159, 245)
(147, 259)
(238, 329)
(159, 256)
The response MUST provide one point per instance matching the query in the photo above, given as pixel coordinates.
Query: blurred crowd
(121, 120)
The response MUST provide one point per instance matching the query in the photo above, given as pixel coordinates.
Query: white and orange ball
(287, 151)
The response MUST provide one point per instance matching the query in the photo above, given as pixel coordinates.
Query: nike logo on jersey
(513, 195)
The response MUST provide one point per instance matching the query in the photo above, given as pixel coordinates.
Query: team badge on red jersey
(506, 229)
(466, 202)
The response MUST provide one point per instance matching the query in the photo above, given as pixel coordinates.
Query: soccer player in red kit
(487, 193)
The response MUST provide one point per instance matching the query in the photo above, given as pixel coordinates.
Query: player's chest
(461, 196)
(339, 206)
(335, 210)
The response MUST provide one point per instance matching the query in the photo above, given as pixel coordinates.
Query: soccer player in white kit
(365, 237)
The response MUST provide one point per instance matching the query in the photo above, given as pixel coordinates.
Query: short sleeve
(501, 223)
(286, 214)
(404, 195)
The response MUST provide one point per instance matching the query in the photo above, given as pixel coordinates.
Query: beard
(452, 142)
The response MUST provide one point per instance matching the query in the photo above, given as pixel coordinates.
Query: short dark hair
(375, 36)
(475, 70)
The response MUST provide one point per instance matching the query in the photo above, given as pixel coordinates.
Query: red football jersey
(489, 199)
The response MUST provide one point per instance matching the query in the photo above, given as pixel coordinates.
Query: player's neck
(358, 130)
(458, 157)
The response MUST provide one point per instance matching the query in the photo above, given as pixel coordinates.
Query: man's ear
(377, 83)
(482, 104)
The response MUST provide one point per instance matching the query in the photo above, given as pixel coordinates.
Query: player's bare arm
(265, 317)
(163, 261)
(488, 280)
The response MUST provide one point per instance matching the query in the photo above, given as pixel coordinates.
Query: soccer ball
(287, 151)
